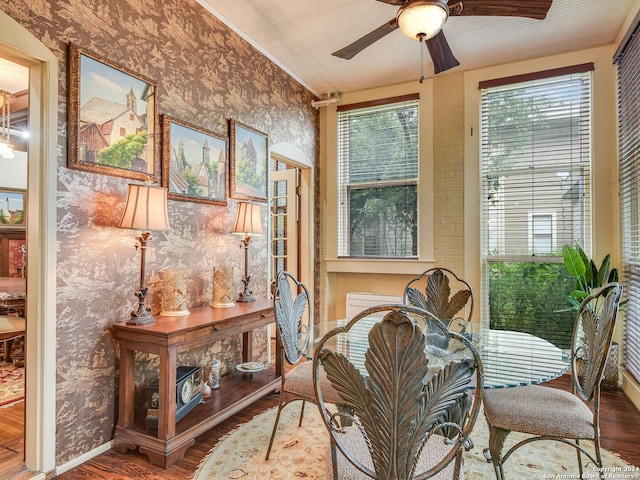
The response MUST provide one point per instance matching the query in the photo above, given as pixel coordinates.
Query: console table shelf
(169, 336)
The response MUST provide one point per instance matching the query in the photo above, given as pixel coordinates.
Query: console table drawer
(212, 333)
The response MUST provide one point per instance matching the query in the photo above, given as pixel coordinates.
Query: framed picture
(113, 119)
(13, 208)
(194, 162)
(248, 162)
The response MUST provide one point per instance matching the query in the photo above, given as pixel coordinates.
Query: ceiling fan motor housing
(422, 19)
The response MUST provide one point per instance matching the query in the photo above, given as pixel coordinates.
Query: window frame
(347, 184)
(329, 157)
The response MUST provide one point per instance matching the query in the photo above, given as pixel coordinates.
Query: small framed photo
(194, 163)
(249, 160)
(13, 208)
(113, 119)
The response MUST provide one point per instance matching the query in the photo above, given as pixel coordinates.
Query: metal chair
(548, 413)
(397, 395)
(437, 297)
(293, 323)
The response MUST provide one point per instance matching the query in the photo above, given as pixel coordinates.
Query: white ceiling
(300, 36)
(13, 77)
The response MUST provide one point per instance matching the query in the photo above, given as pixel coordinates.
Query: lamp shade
(248, 220)
(422, 19)
(146, 208)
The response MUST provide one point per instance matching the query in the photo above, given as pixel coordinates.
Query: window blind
(377, 179)
(628, 60)
(536, 191)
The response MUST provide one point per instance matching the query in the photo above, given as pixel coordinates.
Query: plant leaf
(603, 273)
(573, 261)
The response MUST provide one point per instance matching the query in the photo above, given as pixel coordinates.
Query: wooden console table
(167, 337)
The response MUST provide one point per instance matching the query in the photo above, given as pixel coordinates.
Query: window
(535, 167)
(628, 59)
(378, 178)
(123, 132)
(541, 240)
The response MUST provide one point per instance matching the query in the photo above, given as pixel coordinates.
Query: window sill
(388, 266)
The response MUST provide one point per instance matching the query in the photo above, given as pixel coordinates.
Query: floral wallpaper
(206, 74)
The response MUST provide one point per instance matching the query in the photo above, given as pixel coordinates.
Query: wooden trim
(527, 77)
(379, 102)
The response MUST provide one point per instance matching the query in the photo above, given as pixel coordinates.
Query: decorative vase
(223, 294)
(214, 375)
(174, 292)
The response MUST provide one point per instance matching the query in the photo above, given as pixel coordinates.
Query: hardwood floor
(620, 422)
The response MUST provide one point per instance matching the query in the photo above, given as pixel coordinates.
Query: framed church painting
(249, 161)
(194, 162)
(113, 118)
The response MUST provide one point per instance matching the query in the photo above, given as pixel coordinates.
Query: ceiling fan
(441, 54)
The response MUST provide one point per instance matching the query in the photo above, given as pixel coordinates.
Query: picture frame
(249, 162)
(13, 209)
(113, 120)
(194, 162)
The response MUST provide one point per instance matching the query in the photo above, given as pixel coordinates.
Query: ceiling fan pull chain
(420, 38)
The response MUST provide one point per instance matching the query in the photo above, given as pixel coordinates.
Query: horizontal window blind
(536, 191)
(629, 171)
(377, 180)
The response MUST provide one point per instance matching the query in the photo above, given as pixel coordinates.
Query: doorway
(14, 103)
(20, 46)
(291, 216)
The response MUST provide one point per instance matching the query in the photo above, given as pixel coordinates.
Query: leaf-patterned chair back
(293, 316)
(399, 398)
(436, 283)
(592, 335)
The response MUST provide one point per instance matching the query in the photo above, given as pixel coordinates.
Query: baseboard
(631, 388)
(83, 458)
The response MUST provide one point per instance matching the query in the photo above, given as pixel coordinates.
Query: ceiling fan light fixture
(422, 19)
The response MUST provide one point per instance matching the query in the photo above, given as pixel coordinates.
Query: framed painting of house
(13, 208)
(249, 157)
(112, 118)
(194, 162)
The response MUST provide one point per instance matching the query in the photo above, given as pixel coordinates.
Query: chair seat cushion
(299, 381)
(434, 450)
(539, 410)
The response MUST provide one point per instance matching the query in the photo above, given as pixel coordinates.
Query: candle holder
(174, 292)
(223, 292)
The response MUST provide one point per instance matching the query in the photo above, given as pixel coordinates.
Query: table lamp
(146, 209)
(248, 225)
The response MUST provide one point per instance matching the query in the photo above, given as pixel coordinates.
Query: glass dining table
(509, 358)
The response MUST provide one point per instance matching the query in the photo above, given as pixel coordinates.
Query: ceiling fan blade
(441, 53)
(397, 3)
(536, 9)
(370, 38)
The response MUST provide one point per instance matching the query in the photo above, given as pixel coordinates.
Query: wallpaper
(206, 74)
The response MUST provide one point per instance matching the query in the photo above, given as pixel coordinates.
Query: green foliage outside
(532, 298)
(123, 152)
(391, 212)
(512, 116)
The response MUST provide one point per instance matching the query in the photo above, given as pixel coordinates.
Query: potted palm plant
(588, 278)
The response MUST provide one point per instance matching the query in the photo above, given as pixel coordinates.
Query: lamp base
(145, 320)
(245, 298)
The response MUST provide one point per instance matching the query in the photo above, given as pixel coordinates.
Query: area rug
(11, 385)
(301, 453)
